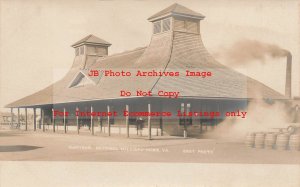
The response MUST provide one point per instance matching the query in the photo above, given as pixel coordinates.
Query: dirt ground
(39, 146)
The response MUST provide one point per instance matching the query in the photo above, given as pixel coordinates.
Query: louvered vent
(179, 25)
(191, 26)
(157, 27)
(185, 25)
(166, 24)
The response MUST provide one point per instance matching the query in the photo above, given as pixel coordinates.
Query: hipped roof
(178, 10)
(168, 51)
(91, 39)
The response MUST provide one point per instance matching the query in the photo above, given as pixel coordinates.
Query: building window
(81, 50)
(189, 119)
(190, 26)
(77, 51)
(156, 27)
(179, 25)
(185, 120)
(166, 24)
(181, 118)
(80, 80)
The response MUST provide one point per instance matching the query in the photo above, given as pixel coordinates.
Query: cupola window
(166, 24)
(77, 51)
(184, 25)
(156, 27)
(81, 50)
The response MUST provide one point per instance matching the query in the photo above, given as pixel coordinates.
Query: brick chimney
(288, 80)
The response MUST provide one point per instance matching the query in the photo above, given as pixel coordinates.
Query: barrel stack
(260, 140)
(270, 140)
(294, 142)
(285, 139)
(282, 141)
(250, 139)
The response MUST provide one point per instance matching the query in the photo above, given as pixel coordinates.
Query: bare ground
(39, 146)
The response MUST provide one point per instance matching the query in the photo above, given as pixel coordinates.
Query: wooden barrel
(294, 142)
(270, 140)
(250, 139)
(282, 141)
(291, 129)
(259, 140)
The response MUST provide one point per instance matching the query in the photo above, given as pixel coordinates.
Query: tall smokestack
(288, 80)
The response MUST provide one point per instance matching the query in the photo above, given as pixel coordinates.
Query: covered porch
(110, 117)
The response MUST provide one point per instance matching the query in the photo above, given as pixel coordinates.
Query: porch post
(42, 119)
(127, 122)
(92, 123)
(161, 126)
(200, 121)
(161, 120)
(12, 116)
(149, 122)
(53, 120)
(218, 118)
(26, 121)
(108, 120)
(77, 120)
(183, 109)
(34, 119)
(200, 124)
(18, 118)
(100, 123)
(103, 129)
(213, 121)
(65, 126)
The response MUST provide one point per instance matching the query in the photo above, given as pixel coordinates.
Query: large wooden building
(175, 45)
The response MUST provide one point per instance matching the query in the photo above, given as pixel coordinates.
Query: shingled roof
(91, 39)
(176, 9)
(168, 51)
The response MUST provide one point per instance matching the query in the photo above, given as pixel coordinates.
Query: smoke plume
(261, 117)
(245, 51)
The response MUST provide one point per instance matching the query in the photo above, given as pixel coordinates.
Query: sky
(36, 35)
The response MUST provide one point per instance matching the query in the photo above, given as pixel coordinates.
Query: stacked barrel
(294, 142)
(260, 140)
(270, 140)
(250, 139)
(283, 140)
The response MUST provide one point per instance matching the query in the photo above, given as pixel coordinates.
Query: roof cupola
(91, 45)
(176, 18)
